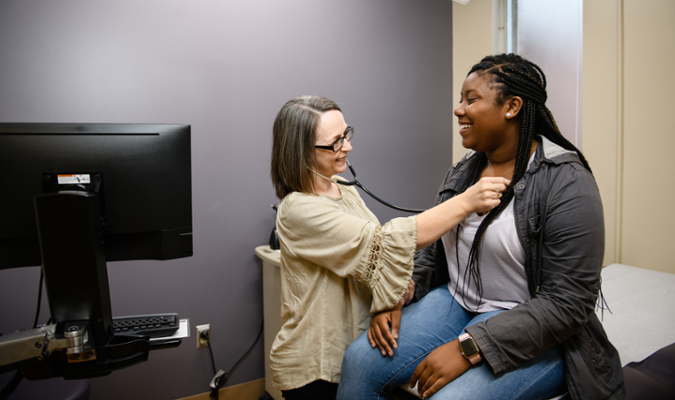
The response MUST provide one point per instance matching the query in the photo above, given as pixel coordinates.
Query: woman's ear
(513, 106)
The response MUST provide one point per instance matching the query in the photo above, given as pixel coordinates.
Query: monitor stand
(73, 261)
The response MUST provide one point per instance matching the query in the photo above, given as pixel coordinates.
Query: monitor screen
(140, 172)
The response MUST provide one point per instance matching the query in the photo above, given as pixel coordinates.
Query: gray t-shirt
(501, 260)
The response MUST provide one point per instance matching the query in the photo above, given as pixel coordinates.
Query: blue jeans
(435, 320)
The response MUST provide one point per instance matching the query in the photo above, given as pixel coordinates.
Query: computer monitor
(75, 196)
(141, 173)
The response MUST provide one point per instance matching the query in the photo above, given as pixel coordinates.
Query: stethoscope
(358, 184)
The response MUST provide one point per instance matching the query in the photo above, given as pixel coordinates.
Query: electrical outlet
(201, 342)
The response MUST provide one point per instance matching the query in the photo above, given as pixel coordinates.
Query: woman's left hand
(440, 367)
(383, 331)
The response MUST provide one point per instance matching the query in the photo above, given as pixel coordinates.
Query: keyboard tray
(153, 325)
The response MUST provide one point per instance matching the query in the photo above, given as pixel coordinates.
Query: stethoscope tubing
(358, 184)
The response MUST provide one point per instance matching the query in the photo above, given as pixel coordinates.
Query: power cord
(11, 385)
(220, 377)
(39, 299)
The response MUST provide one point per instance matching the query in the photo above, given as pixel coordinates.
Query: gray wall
(226, 67)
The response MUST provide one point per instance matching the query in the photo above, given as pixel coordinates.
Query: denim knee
(356, 355)
(355, 364)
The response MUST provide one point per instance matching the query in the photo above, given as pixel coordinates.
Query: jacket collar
(554, 153)
(547, 151)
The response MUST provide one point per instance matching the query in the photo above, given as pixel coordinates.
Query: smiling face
(331, 127)
(483, 123)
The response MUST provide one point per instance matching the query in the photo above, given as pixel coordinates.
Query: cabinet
(271, 277)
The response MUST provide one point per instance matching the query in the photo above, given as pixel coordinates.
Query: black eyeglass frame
(349, 134)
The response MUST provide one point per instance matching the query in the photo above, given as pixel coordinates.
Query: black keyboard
(150, 325)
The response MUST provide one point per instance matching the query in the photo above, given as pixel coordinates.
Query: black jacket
(559, 219)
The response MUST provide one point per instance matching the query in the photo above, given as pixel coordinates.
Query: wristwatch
(469, 348)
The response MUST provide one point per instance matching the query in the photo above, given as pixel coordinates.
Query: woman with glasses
(338, 263)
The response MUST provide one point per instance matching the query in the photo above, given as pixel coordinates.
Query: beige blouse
(338, 265)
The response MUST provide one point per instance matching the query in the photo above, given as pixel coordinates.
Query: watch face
(468, 347)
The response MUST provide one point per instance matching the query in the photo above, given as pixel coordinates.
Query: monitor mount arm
(41, 353)
(39, 343)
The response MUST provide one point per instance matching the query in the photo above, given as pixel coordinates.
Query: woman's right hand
(480, 198)
(485, 194)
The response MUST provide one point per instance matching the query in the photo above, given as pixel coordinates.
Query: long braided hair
(511, 75)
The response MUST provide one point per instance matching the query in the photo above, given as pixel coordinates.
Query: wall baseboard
(243, 391)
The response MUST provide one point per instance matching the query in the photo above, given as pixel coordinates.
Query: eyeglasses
(337, 145)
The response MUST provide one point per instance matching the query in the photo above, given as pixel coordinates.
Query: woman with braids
(338, 263)
(505, 302)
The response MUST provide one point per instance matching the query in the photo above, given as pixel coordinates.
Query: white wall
(628, 104)
(471, 41)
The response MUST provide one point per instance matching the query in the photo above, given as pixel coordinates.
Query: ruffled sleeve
(343, 236)
(389, 262)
